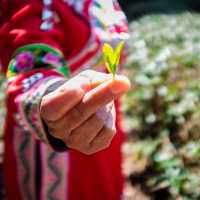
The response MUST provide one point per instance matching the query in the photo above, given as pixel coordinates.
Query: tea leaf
(107, 54)
(117, 52)
(112, 57)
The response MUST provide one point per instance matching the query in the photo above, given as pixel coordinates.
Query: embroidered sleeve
(109, 21)
(34, 69)
(108, 24)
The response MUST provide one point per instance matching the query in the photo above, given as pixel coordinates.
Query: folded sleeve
(33, 61)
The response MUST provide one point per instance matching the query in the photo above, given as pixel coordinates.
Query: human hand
(81, 111)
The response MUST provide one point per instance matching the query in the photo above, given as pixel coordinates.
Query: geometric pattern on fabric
(28, 106)
(55, 170)
(25, 156)
(37, 56)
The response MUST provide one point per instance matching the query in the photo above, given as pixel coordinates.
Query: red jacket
(75, 29)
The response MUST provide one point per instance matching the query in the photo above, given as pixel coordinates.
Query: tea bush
(162, 110)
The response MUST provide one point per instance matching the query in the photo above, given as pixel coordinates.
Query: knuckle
(108, 137)
(54, 128)
(52, 131)
(76, 113)
(68, 141)
(87, 72)
(73, 92)
(103, 146)
(73, 142)
(113, 131)
(87, 151)
(109, 133)
(106, 145)
(57, 133)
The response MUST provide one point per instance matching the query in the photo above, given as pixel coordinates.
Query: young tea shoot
(112, 56)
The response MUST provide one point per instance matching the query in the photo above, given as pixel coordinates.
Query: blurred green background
(162, 110)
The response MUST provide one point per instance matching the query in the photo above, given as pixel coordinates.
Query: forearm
(33, 72)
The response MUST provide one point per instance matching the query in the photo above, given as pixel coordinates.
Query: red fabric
(11, 182)
(10, 173)
(98, 176)
(93, 177)
(20, 25)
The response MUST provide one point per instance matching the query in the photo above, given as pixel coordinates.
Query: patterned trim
(108, 21)
(28, 107)
(108, 24)
(26, 59)
(37, 56)
(25, 157)
(47, 16)
(55, 172)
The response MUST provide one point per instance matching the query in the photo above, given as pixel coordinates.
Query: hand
(81, 112)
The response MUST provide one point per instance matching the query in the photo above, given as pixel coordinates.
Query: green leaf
(112, 57)
(107, 54)
(117, 52)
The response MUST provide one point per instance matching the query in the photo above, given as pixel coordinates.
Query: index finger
(105, 93)
(95, 99)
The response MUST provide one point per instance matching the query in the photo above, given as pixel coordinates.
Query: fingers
(93, 101)
(61, 128)
(96, 138)
(71, 111)
(56, 104)
(93, 135)
(105, 136)
(104, 94)
(81, 137)
(101, 142)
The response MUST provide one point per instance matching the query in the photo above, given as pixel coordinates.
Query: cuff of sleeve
(29, 111)
(55, 143)
(34, 58)
(37, 56)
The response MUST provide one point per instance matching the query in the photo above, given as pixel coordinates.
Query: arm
(75, 113)
(33, 61)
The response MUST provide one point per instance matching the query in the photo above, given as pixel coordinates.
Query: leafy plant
(163, 109)
(112, 56)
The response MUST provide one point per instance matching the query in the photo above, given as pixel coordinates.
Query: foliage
(112, 56)
(162, 111)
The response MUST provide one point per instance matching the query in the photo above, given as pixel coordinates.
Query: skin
(81, 112)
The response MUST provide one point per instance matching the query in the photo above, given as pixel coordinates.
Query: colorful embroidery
(108, 21)
(108, 24)
(37, 56)
(27, 83)
(28, 106)
(25, 151)
(34, 86)
(54, 177)
(48, 16)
